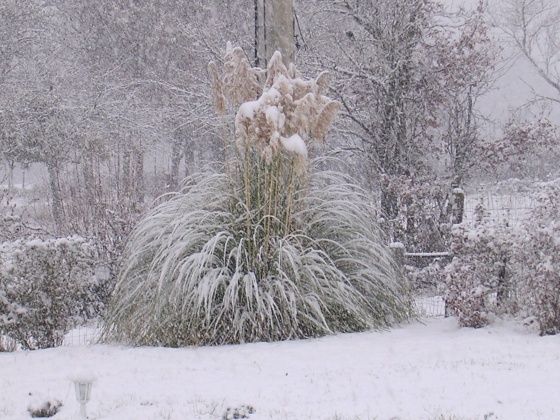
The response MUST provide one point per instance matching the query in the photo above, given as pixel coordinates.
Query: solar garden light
(82, 385)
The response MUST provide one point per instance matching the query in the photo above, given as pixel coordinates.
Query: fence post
(458, 205)
(398, 253)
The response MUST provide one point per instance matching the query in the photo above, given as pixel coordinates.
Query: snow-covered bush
(527, 148)
(46, 288)
(478, 277)
(242, 412)
(269, 250)
(422, 214)
(44, 409)
(7, 344)
(538, 257)
(501, 268)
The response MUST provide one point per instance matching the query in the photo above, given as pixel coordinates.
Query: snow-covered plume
(240, 80)
(217, 90)
(287, 114)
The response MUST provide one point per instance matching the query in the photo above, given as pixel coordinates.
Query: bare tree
(45, 133)
(274, 30)
(18, 24)
(529, 141)
(138, 89)
(534, 28)
(408, 74)
(35, 120)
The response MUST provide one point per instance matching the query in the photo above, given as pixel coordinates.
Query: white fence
(83, 336)
(512, 208)
(430, 306)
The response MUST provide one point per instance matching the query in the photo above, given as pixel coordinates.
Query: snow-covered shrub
(422, 214)
(242, 412)
(527, 148)
(269, 250)
(538, 257)
(46, 288)
(44, 409)
(478, 277)
(7, 344)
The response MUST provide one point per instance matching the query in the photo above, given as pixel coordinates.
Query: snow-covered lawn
(419, 371)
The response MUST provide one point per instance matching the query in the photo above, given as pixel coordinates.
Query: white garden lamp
(82, 385)
(83, 393)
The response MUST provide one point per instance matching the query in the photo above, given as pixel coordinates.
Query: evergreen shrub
(46, 288)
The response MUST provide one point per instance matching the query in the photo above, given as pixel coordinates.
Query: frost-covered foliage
(269, 250)
(526, 148)
(46, 288)
(478, 277)
(538, 257)
(426, 277)
(499, 268)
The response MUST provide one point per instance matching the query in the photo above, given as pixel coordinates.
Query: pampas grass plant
(270, 249)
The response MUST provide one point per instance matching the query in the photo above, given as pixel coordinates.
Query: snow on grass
(420, 371)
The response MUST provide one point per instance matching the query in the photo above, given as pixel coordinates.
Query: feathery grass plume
(217, 89)
(272, 250)
(240, 80)
(324, 120)
(322, 82)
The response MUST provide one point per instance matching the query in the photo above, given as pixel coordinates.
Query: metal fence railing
(511, 208)
(430, 306)
(83, 336)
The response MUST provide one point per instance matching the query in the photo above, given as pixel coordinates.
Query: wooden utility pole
(274, 30)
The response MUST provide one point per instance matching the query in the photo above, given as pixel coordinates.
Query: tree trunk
(139, 172)
(274, 30)
(56, 196)
(126, 174)
(11, 166)
(190, 157)
(176, 157)
(89, 179)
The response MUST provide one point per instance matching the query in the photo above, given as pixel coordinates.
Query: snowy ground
(430, 371)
